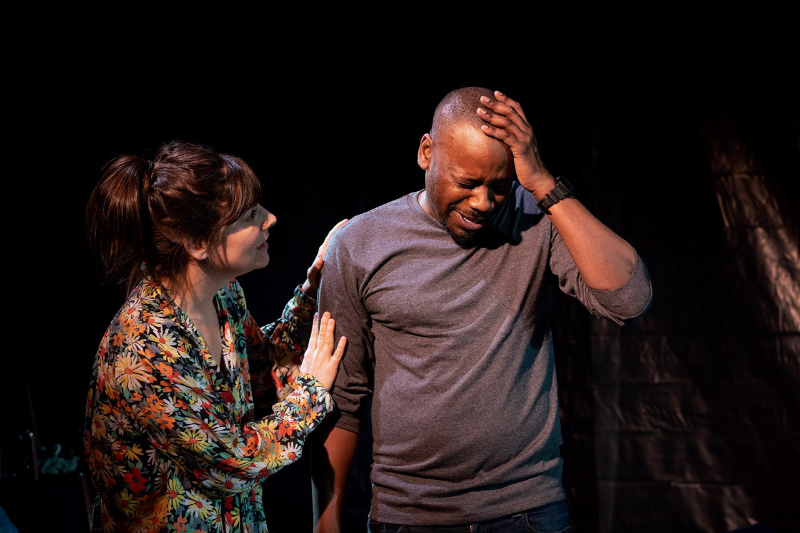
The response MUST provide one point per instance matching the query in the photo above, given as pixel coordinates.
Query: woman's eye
(252, 214)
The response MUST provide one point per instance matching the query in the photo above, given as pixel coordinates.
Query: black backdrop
(680, 131)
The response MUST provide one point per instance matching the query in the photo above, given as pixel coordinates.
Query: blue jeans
(550, 518)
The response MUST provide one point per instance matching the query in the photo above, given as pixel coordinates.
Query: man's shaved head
(457, 106)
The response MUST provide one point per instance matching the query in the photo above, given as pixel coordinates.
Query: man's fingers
(510, 102)
(505, 121)
(504, 112)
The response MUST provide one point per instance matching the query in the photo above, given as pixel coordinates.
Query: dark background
(677, 125)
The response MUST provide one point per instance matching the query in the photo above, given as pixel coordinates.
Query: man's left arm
(604, 259)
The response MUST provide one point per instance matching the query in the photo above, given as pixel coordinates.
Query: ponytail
(116, 220)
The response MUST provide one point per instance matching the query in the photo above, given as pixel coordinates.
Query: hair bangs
(243, 188)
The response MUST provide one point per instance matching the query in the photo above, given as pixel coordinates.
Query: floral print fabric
(171, 441)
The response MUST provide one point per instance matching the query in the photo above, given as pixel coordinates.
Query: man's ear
(196, 248)
(424, 152)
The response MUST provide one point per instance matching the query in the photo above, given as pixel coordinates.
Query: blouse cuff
(298, 293)
(318, 402)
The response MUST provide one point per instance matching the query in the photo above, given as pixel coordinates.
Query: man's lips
(471, 223)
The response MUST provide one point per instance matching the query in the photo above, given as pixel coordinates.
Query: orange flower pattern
(171, 439)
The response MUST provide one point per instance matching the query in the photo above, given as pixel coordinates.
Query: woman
(171, 440)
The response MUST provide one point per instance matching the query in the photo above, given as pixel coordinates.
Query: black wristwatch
(563, 189)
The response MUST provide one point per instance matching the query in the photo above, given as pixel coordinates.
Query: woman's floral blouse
(171, 442)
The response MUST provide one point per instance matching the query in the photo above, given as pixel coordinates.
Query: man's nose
(481, 200)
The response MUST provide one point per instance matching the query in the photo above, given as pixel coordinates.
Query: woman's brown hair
(141, 212)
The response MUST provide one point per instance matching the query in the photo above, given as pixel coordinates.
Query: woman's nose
(269, 222)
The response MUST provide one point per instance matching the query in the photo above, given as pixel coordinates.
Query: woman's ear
(196, 248)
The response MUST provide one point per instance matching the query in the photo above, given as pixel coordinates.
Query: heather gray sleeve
(339, 293)
(630, 301)
(622, 305)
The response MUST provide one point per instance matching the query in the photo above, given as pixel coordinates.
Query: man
(444, 296)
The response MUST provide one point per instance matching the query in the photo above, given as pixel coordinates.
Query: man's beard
(467, 240)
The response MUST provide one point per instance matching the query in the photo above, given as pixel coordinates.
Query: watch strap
(562, 190)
